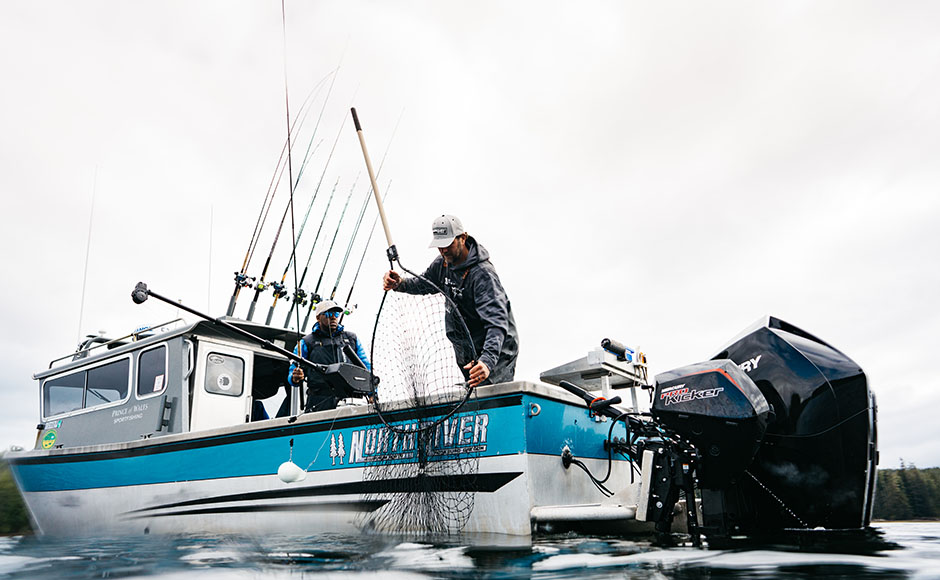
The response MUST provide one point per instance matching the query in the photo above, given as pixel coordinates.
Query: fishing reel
(300, 297)
(278, 289)
(243, 280)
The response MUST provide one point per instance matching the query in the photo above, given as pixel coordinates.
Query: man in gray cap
(465, 273)
(324, 345)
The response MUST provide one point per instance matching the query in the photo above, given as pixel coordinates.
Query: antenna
(209, 287)
(91, 217)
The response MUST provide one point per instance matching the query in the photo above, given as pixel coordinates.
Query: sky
(663, 174)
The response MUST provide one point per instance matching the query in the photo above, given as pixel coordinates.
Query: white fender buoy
(290, 472)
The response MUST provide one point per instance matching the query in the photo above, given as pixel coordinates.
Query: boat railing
(93, 343)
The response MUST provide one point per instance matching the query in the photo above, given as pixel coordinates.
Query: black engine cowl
(818, 462)
(719, 409)
(776, 435)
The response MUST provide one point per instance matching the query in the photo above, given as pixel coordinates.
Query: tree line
(13, 517)
(907, 493)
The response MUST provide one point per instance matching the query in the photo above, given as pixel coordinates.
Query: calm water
(917, 555)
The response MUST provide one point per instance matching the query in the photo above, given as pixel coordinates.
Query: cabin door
(221, 393)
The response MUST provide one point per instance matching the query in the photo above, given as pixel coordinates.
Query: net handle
(391, 252)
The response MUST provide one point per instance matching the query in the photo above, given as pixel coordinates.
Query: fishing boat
(161, 431)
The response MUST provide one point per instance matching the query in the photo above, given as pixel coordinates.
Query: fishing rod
(279, 291)
(241, 279)
(308, 153)
(278, 288)
(326, 166)
(277, 183)
(365, 249)
(260, 286)
(316, 297)
(349, 246)
(307, 156)
(300, 295)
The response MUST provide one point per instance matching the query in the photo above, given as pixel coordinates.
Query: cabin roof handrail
(93, 343)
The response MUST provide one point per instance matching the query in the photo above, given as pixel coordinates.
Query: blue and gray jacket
(324, 348)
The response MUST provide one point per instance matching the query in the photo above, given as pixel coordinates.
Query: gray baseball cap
(445, 229)
(326, 306)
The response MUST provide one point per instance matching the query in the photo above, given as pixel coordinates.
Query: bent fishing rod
(241, 279)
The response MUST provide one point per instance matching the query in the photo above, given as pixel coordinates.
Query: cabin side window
(151, 371)
(225, 374)
(87, 388)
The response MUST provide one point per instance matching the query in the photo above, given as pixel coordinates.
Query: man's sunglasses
(332, 313)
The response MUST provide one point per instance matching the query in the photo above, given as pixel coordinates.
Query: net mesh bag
(425, 461)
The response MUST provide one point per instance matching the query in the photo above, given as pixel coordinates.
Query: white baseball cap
(445, 229)
(326, 306)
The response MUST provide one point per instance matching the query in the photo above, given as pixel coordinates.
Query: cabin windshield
(100, 385)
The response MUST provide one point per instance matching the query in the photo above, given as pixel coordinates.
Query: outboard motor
(719, 410)
(779, 429)
(817, 463)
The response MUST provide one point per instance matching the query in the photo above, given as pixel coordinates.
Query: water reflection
(916, 555)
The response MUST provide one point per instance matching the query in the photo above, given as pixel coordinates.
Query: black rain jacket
(482, 301)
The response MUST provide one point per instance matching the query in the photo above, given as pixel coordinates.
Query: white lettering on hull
(455, 436)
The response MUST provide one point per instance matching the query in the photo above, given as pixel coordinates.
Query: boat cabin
(172, 378)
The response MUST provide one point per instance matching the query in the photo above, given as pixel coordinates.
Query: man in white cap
(465, 273)
(324, 345)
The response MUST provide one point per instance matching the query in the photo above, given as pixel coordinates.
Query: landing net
(427, 455)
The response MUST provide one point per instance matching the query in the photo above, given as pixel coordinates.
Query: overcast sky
(660, 173)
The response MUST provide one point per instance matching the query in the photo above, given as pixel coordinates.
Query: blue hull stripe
(489, 428)
(266, 433)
